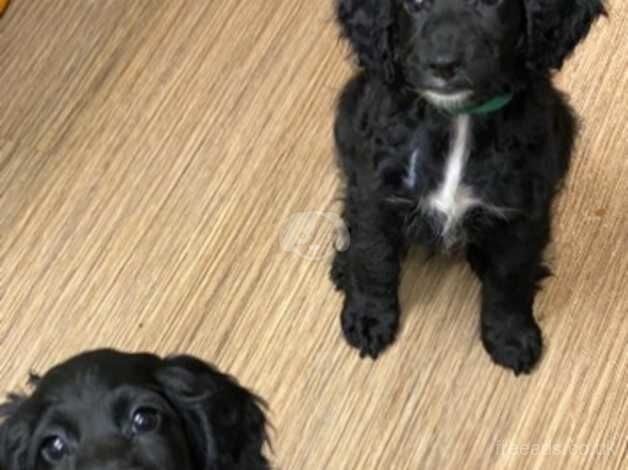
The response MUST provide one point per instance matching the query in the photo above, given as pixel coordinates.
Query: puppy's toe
(513, 342)
(369, 325)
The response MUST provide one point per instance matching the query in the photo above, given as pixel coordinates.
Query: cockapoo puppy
(106, 410)
(452, 135)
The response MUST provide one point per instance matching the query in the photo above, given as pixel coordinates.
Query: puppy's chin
(448, 101)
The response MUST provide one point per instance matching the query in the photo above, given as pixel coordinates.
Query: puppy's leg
(509, 264)
(368, 272)
(338, 268)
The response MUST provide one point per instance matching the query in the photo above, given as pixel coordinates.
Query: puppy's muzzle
(110, 453)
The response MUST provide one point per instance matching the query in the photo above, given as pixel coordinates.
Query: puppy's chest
(447, 195)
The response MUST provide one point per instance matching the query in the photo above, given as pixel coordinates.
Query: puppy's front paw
(370, 324)
(514, 342)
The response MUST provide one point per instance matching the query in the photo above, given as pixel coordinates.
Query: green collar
(492, 105)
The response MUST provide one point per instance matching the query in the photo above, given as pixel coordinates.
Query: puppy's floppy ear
(224, 422)
(15, 431)
(368, 26)
(555, 27)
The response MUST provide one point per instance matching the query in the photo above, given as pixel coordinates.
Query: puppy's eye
(145, 420)
(54, 449)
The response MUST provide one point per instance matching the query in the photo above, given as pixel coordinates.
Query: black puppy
(106, 410)
(452, 135)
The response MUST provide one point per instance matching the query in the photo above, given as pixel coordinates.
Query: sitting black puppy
(452, 135)
(106, 410)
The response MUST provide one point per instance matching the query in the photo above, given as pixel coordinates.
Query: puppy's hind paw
(513, 343)
(370, 325)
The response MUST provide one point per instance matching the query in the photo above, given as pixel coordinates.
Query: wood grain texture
(155, 161)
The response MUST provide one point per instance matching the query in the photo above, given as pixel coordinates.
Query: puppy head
(460, 52)
(110, 410)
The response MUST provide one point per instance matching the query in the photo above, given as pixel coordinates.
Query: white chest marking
(409, 180)
(452, 199)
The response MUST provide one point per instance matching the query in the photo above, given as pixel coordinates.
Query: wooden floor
(167, 183)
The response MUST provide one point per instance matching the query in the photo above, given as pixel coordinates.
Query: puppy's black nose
(444, 66)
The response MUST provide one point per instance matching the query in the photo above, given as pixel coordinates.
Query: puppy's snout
(444, 35)
(444, 52)
(445, 65)
(105, 453)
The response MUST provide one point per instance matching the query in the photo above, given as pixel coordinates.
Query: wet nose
(444, 48)
(444, 65)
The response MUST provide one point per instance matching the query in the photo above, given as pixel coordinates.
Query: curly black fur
(204, 419)
(518, 155)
